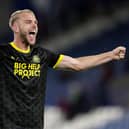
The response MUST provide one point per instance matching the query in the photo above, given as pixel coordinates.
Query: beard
(25, 40)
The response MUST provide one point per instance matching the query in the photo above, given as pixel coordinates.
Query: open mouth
(32, 33)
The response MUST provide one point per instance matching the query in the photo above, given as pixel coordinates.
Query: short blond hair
(15, 15)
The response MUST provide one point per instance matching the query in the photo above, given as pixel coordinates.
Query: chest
(23, 66)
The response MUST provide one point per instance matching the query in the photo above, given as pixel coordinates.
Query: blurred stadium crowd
(77, 28)
(57, 16)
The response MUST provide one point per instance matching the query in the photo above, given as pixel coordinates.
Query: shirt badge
(36, 59)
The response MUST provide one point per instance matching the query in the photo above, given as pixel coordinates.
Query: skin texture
(86, 62)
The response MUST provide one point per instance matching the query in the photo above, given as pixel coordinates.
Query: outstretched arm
(86, 62)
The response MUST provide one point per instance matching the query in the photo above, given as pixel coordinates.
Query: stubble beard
(24, 39)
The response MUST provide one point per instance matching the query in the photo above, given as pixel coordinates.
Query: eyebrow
(26, 20)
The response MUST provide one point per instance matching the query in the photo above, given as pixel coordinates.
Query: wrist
(112, 55)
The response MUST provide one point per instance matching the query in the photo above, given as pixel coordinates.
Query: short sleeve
(53, 59)
(58, 61)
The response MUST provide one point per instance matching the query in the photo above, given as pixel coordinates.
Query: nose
(34, 25)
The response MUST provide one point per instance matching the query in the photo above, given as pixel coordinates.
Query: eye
(28, 21)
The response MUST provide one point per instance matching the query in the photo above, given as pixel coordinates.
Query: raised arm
(86, 62)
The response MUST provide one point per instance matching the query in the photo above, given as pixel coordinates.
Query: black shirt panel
(22, 86)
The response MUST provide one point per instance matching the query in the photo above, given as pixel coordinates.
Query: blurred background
(93, 99)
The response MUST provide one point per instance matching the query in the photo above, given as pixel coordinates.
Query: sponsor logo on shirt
(26, 70)
(36, 59)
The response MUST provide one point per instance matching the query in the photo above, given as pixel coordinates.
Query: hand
(119, 53)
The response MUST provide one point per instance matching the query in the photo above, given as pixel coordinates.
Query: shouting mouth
(32, 36)
(32, 33)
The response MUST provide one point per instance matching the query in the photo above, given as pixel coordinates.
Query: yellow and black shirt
(22, 85)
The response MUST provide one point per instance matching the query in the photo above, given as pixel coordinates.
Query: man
(24, 68)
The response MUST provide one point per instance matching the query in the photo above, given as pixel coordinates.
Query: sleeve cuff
(58, 61)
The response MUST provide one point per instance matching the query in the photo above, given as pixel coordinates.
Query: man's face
(27, 28)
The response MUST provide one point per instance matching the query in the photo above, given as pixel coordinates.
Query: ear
(15, 27)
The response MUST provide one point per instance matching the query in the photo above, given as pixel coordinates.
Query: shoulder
(41, 50)
(4, 46)
(4, 49)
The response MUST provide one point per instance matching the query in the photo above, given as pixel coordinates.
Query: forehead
(27, 16)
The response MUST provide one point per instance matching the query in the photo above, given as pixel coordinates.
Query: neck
(21, 45)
